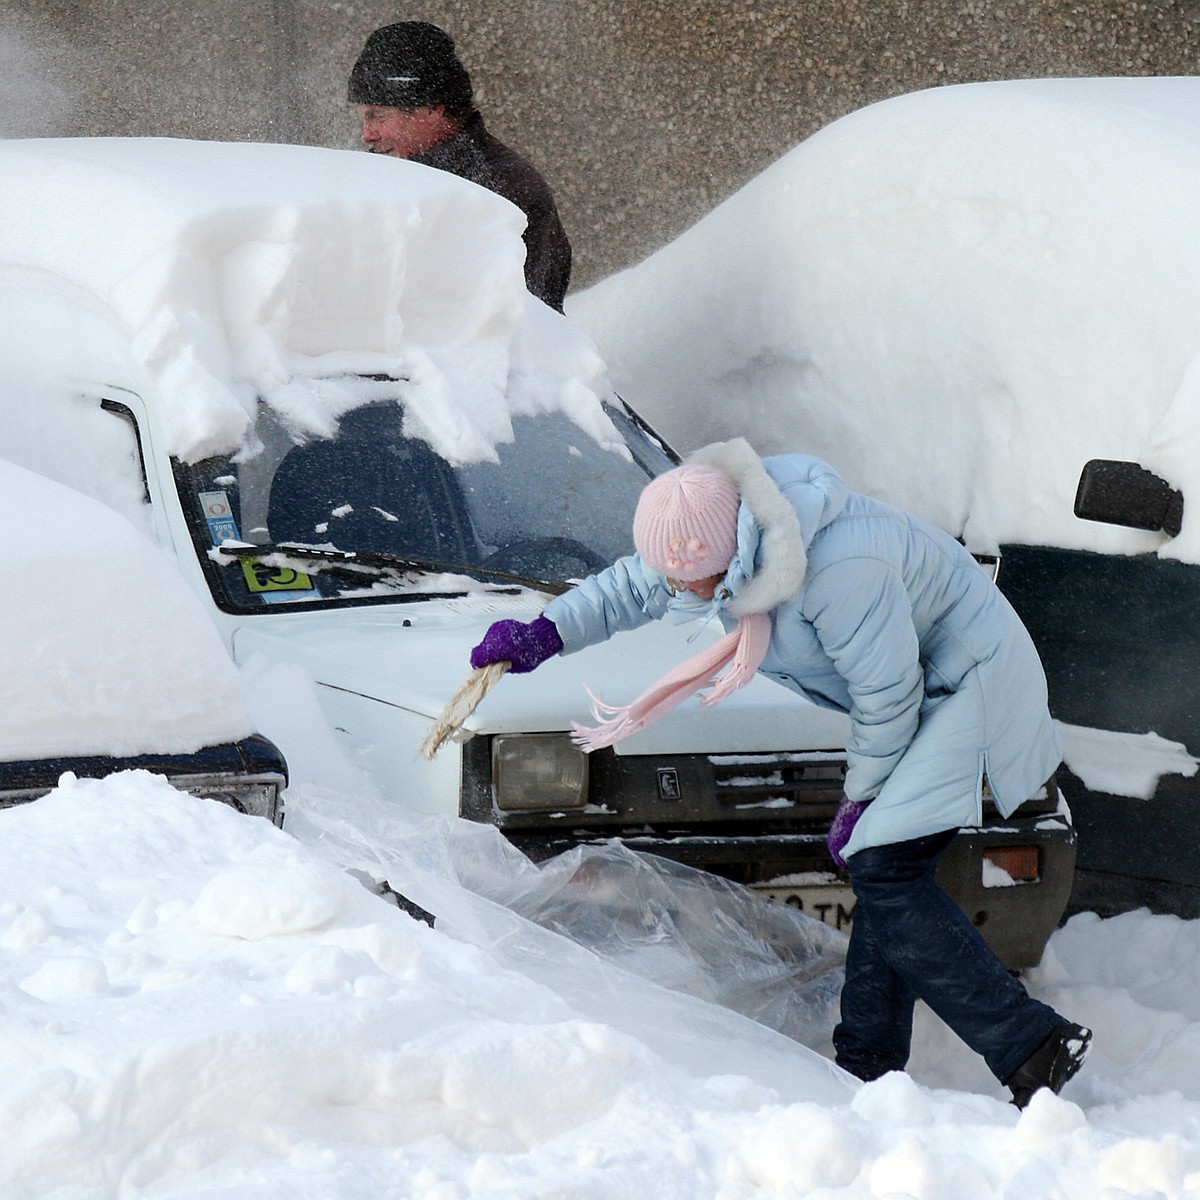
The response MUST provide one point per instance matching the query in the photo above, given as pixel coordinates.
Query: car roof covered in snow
(211, 274)
(957, 297)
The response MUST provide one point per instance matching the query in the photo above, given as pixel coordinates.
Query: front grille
(681, 793)
(776, 780)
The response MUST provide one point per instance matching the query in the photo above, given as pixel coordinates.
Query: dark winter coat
(475, 154)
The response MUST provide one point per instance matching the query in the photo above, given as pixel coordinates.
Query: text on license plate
(834, 904)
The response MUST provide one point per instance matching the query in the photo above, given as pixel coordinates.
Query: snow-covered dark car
(109, 664)
(959, 297)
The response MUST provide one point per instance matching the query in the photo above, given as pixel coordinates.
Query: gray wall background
(642, 114)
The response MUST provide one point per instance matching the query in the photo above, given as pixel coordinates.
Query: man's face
(404, 132)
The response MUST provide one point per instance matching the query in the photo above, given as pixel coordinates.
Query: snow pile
(226, 272)
(105, 650)
(192, 1000)
(957, 297)
(193, 1004)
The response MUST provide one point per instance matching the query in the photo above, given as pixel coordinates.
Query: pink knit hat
(685, 526)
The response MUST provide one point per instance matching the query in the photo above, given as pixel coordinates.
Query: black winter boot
(1052, 1064)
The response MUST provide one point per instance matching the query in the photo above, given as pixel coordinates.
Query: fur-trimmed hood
(774, 527)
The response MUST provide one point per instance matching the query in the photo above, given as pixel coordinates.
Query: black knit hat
(411, 65)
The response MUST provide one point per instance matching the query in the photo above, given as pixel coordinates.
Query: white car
(317, 377)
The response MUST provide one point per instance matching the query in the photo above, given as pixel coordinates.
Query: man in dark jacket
(416, 102)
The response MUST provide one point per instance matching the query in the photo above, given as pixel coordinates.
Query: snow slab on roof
(957, 297)
(225, 272)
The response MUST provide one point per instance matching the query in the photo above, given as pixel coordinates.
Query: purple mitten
(524, 645)
(844, 821)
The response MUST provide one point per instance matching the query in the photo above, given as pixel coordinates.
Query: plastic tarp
(692, 932)
(712, 977)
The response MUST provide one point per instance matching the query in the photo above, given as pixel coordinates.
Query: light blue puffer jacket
(875, 613)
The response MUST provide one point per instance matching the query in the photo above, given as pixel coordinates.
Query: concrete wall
(642, 114)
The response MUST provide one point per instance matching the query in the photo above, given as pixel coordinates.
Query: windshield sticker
(218, 512)
(263, 578)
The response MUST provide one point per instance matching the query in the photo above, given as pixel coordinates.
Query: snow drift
(106, 650)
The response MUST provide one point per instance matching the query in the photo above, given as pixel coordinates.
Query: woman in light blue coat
(866, 609)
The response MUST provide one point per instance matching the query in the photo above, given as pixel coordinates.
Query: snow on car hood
(415, 656)
(106, 650)
(218, 273)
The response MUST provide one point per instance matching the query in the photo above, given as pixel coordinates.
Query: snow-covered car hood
(414, 656)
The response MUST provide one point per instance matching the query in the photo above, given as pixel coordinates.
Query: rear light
(1018, 863)
(258, 792)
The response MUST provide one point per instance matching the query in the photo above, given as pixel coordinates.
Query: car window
(555, 506)
(94, 449)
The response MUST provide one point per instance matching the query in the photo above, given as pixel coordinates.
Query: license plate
(833, 904)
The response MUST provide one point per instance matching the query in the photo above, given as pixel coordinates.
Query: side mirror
(1125, 493)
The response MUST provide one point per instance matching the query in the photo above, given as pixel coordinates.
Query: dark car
(957, 329)
(1120, 639)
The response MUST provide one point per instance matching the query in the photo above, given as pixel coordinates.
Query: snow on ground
(195, 1004)
(1004, 277)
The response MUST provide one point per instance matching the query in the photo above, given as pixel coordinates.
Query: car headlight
(543, 772)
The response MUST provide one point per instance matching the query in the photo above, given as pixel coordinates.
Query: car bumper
(761, 819)
(249, 775)
(1014, 918)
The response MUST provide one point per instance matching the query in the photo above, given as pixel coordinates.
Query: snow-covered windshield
(333, 515)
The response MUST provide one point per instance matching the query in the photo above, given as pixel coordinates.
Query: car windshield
(371, 514)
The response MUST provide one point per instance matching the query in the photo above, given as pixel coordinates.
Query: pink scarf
(742, 652)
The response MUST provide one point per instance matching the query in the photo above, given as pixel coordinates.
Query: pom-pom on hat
(685, 526)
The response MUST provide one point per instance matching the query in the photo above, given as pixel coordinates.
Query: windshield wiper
(379, 562)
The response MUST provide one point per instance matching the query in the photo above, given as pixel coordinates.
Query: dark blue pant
(910, 940)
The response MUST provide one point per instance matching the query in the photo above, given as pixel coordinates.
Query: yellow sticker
(263, 578)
